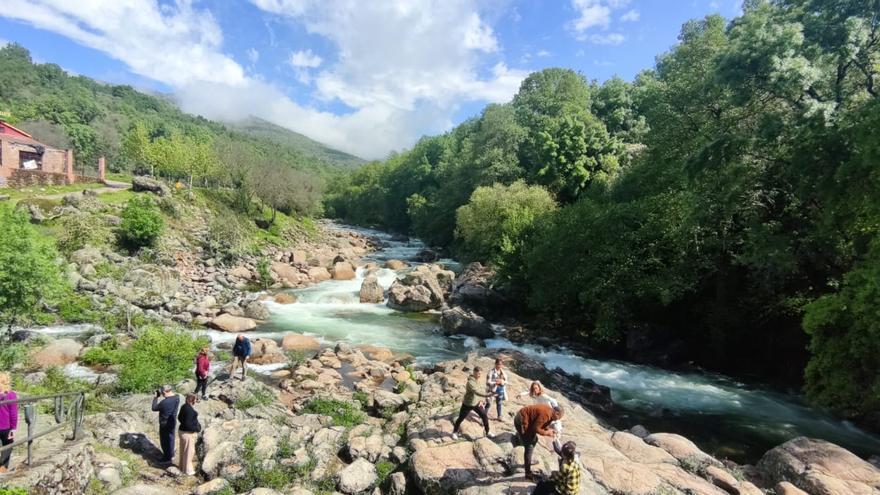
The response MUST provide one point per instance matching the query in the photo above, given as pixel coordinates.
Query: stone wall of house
(54, 161)
(29, 178)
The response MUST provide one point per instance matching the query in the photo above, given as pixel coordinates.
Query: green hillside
(260, 128)
(96, 119)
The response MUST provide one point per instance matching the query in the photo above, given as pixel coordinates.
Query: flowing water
(725, 417)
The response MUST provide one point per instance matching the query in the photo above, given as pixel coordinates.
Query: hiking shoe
(454, 436)
(489, 434)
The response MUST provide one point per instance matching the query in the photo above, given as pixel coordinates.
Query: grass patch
(117, 198)
(133, 464)
(384, 468)
(362, 397)
(256, 397)
(277, 477)
(296, 358)
(343, 413)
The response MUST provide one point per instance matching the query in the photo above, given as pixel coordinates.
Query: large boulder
(357, 476)
(87, 256)
(820, 467)
(319, 274)
(58, 353)
(146, 184)
(342, 270)
(371, 291)
(395, 265)
(297, 342)
(463, 322)
(473, 289)
(266, 351)
(681, 448)
(413, 299)
(233, 324)
(256, 310)
(286, 273)
(447, 469)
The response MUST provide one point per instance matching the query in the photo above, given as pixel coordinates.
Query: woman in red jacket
(203, 365)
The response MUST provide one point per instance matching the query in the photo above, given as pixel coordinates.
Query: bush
(80, 230)
(104, 354)
(265, 274)
(343, 413)
(76, 308)
(156, 357)
(12, 354)
(492, 224)
(141, 225)
(384, 469)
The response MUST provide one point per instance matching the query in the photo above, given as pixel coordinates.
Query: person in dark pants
(530, 422)
(8, 420)
(471, 403)
(240, 353)
(167, 409)
(203, 366)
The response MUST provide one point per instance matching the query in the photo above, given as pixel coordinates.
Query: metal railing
(74, 412)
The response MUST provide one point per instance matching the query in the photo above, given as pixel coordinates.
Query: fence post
(78, 416)
(30, 417)
(102, 165)
(59, 409)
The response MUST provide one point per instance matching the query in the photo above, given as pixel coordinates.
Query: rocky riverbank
(356, 420)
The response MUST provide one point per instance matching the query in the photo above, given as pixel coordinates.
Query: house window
(30, 161)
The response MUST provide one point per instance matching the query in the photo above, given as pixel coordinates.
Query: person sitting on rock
(496, 381)
(536, 392)
(566, 481)
(240, 353)
(532, 421)
(471, 403)
(203, 366)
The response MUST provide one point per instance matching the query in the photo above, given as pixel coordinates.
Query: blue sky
(366, 77)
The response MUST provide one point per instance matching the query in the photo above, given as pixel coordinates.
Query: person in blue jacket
(240, 353)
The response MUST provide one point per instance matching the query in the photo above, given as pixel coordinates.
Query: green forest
(143, 133)
(725, 204)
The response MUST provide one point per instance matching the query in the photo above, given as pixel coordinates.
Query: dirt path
(111, 187)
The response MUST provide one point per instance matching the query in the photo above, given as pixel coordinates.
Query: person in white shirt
(496, 382)
(536, 392)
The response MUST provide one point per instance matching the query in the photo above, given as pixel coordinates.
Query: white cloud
(632, 15)
(402, 68)
(543, 54)
(253, 56)
(597, 14)
(175, 43)
(305, 58)
(3, 42)
(606, 39)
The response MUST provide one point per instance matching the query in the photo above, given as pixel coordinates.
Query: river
(725, 417)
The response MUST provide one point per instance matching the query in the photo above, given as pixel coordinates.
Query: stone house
(26, 161)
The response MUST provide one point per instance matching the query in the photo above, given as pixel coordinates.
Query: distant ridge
(257, 127)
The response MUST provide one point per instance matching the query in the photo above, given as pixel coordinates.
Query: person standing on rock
(532, 421)
(188, 431)
(167, 409)
(471, 402)
(240, 353)
(536, 393)
(8, 420)
(496, 382)
(566, 481)
(203, 366)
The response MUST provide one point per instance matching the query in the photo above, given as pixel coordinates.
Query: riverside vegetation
(726, 197)
(721, 209)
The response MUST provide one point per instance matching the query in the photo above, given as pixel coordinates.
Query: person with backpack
(240, 353)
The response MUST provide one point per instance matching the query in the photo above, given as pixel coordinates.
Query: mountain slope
(260, 128)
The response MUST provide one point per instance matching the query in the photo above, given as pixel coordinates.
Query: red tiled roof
(16, 129)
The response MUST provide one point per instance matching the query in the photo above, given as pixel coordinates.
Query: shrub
(80, 230)
(257, 397)
(343, 413)
(265, 273)
(104, 354)
(77, 308)
(156, 357)
(227, 237)
(12, 354)
(29, 271)
(141, 225)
